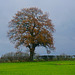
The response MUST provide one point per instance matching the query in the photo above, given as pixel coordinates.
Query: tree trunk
(31, 54)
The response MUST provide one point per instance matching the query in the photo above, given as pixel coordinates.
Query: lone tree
(30, 27)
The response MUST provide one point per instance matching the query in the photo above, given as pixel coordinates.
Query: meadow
(38, 68)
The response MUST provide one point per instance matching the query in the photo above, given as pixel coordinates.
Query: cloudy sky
(61, 12)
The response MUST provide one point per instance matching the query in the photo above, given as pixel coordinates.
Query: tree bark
(31, 54)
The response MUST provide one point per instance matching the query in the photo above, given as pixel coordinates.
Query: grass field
(38, 68)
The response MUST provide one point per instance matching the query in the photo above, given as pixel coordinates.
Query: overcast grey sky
(62, 14)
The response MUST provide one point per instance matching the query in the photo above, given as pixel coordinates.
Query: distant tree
(30, 27)
(15, 56)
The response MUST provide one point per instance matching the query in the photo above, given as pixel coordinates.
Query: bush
(15, 57)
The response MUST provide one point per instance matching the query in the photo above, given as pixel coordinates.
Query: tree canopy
(30, 27)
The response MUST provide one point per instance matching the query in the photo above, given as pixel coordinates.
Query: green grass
(38, 68)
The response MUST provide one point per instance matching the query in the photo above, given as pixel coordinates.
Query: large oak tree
(31, 27)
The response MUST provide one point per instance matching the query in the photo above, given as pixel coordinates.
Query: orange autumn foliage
(31, 27)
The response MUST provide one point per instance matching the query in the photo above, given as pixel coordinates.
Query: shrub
(15, 57)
